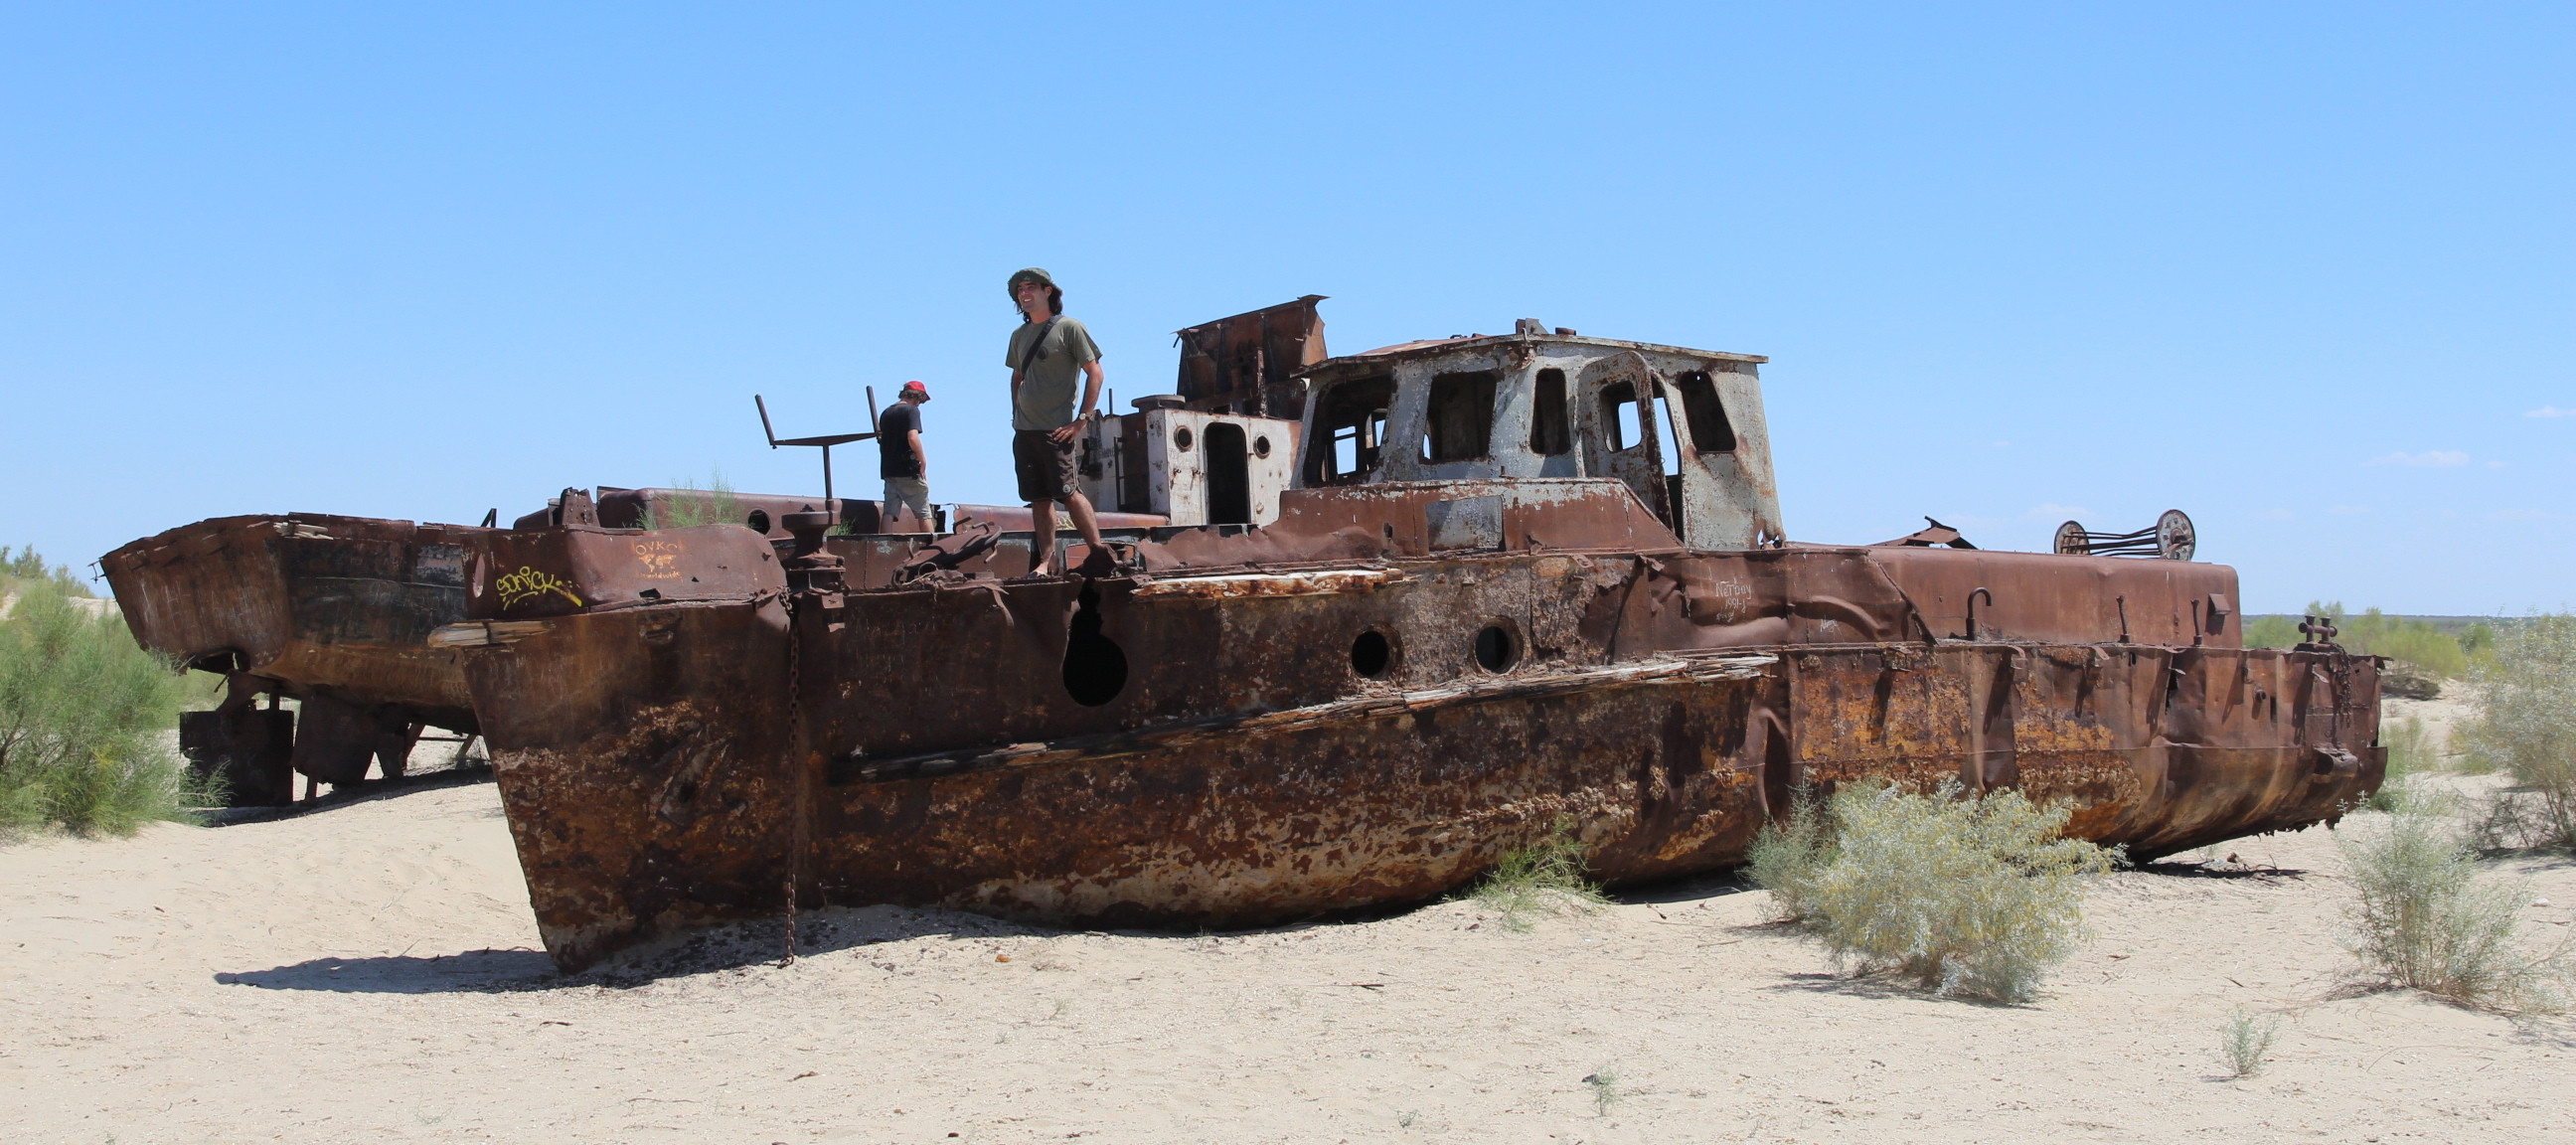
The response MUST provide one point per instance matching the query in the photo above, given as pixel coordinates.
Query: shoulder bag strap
(1035, 344)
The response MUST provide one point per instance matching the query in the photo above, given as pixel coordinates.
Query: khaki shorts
(906, 492)
(1045, 469)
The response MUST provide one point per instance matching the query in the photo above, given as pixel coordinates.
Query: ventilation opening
(1350, 431)
(1496, 650)
(1229, 475)
(1710, 431)
(1460, 425)
(758, 520)
(1370, 654)
(1095, 668)
(1551, 433)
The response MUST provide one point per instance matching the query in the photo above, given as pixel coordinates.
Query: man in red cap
(900, 458)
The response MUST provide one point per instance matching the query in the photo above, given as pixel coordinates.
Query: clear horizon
(2304, 273)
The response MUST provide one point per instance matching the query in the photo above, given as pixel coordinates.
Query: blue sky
(2305, 272)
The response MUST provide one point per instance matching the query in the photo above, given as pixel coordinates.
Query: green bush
(26, 570)
(1970, 896)
(2410, 750)
(714, 505)
(2526, 722)
(84, 716)
(2272, 632)
(1545, 877)
(2425, 920)
(2416, 643)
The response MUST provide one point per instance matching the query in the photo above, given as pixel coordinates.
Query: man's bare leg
(1042, 539)
(1085, 523)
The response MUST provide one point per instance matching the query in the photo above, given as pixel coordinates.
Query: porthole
(1181, 439)
(1371, 654)
(1261, 447)
(758, 520)
(1496, 650)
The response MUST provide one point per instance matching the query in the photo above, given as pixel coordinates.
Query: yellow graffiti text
(528, 583)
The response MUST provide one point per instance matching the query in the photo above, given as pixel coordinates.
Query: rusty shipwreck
(334, 614)
(1410, 609)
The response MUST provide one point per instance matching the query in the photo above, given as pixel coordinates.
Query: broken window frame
(1551, 415)
(1704, 413)
(1458, 417)
(1614, 432)
(1335, 422)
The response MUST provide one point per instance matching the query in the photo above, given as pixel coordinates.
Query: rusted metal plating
(1247, 363)
(1220, 744)
(334, 611)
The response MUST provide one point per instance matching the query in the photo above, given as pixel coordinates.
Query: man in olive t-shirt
(1048, 352)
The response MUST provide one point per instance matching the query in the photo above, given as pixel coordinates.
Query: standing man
(1047, 353)
(901, 461)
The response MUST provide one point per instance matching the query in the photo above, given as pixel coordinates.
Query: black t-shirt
(894, 441)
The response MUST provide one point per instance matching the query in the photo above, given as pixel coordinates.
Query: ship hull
(665, 767)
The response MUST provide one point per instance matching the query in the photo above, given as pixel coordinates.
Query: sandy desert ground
(366, 972)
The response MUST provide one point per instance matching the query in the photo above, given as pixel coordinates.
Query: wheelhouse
(1682, 428)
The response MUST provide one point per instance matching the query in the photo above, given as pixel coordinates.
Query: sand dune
(367, 973)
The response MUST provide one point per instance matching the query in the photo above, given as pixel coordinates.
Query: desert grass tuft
(2245, 1038)
(1604, 1081)
(2424, 919)
(1971, 896)
(1545, 877)
(83, 712)
(691, 506)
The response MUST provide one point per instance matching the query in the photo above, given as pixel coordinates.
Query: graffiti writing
(661, 559)
(528, 583)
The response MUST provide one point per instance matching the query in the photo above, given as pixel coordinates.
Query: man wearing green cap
(1048, 352)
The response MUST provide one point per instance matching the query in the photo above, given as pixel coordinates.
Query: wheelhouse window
(1709, 429)
(1460, 426)
(1620, 415)
(1350, 431)
(1550, 431)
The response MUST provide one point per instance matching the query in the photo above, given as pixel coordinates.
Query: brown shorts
(1045, 469)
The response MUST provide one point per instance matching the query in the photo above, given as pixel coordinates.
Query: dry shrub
(1545, 877)
(1972, 896)
(2425, 920)
(1788, 852)
(83, 712)
(2526, 724)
